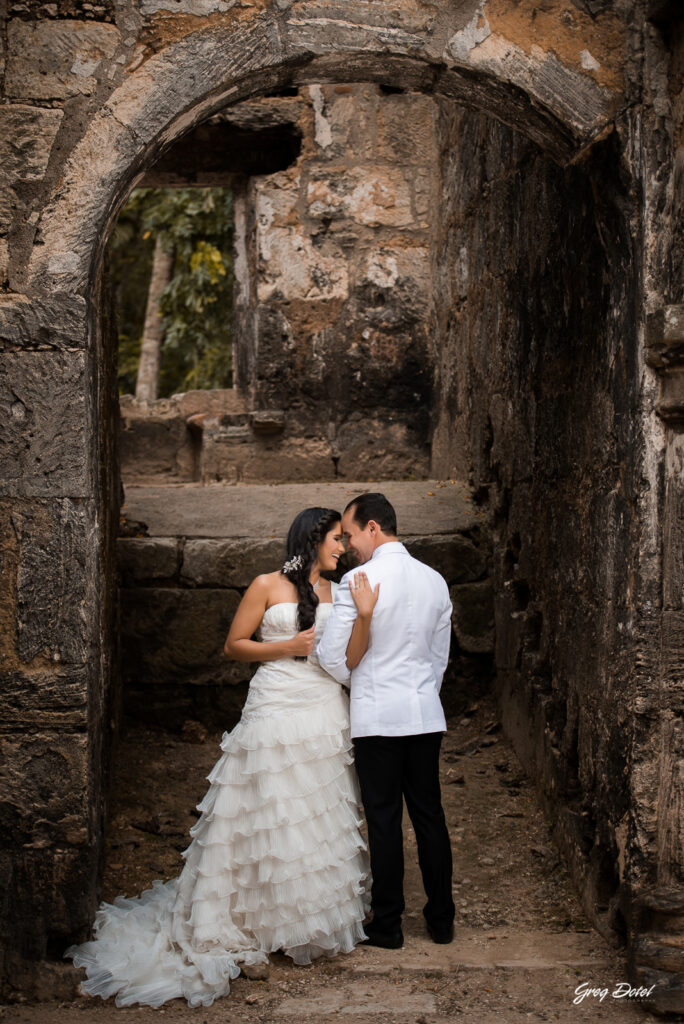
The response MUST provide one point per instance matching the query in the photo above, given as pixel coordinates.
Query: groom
(397, 719)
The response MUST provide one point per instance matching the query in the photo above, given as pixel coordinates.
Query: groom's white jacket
(394, 690)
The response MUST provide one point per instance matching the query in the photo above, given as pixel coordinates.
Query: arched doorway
(563, 110)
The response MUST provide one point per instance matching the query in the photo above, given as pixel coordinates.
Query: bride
(276, 860)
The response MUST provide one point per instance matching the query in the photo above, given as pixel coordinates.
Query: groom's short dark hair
(375, 506)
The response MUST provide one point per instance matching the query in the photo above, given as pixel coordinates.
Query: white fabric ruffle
(276, 860)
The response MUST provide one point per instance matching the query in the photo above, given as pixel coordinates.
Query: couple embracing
(277, 860)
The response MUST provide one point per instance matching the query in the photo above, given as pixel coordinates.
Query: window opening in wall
(171, 268)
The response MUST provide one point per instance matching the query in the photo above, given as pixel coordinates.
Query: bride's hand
(302, 645)
(365, 599)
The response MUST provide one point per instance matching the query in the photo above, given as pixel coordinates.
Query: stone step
(424, 507)
(217, 402)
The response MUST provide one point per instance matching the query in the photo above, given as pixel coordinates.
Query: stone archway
(487, 61)
(563, 108)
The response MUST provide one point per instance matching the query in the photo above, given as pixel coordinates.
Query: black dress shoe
(441, 935)
(385, 940)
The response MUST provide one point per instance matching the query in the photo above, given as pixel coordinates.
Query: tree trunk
(147, 382)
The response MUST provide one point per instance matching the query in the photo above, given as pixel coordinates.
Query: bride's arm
(240, 647)
(365, 600)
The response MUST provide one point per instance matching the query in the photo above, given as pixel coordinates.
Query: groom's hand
(364, 598)
(302, 644)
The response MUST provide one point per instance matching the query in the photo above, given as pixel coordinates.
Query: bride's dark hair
(306, 533)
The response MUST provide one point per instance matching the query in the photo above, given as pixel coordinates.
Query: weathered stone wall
(332, 297)
(181, 439)
(538, 400)
(59, 634)
(179, 595)
(107, 89)
(658, 785)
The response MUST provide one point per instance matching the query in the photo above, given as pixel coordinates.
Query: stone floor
(522, 946)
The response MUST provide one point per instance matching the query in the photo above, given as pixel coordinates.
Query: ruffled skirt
(276, 862)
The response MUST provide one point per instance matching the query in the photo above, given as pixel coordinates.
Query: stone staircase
(187, 554)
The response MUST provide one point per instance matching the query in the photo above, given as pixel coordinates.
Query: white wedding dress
(276, 862)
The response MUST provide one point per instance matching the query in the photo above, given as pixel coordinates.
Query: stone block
(52, 60)
(53, 888)
(26, 137)
(9, 206)
(670, 404)
(46, 424)
(93, 10)
(267, 422)
(296, 458)
(217, 402)
(673, 659)
(43, 779)
(147, 558)
(388, 266)
(393, 285)
(56, 322)
(43, 981)
(73, 222)
(262, 112)
(56, 597)
(198, 8)
(229, 563)
(473, 616)
(223, 452)
(9, 560)
(292, 268)
(372, 197)
(406, 129)
(673, 525)
(4, 259)
(151, 99)
(44, 699)
(156, 448)
(345, 121)
(455, 557)
(176, 637)
(371, 449)
(425, 196)
(275, 200)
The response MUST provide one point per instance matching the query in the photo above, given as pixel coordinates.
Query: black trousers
(389, 768)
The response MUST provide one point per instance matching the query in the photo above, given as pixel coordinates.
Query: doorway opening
(520, 374)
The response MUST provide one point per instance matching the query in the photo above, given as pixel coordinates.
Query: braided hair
(306, 533)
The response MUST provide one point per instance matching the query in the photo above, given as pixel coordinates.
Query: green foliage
(197, 305)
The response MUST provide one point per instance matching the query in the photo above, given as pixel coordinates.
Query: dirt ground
(522, 946)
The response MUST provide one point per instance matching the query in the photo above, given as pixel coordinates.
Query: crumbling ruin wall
(332, 300)
(658, 785)
(333, 294)
(108, 87)
(539, 383)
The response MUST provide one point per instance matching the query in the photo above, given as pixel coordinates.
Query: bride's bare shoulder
(271, 583)
(272, 588)
(266, 581)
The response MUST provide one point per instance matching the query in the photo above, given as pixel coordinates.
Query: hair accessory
(293, 563)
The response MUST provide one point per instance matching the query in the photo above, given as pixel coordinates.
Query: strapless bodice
(279, 622)
(288, 684)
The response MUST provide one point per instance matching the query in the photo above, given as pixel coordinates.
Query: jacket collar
(390, 547)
